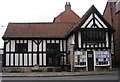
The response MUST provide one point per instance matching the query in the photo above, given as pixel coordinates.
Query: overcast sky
(41, 10)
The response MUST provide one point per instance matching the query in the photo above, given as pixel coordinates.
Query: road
(90, 77)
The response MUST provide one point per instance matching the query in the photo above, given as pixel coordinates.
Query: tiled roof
(37, 30)
(62, 25)
(68, 15)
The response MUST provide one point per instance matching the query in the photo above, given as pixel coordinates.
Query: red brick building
(112, 15)
(67, 15)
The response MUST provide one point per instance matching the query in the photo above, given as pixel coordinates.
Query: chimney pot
(67, 6)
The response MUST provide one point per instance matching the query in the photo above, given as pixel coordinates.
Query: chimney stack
(67, 6)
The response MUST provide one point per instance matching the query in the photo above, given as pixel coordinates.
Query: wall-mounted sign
(89, 55)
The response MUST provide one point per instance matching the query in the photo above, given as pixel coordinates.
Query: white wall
(69, 41)
(61, 45)
(90, 17)
(7, 47)
(44, 45)
(79, 39)
(100, 21)
(34, 46)
(29, 45)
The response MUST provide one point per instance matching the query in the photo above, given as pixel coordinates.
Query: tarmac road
(90, 77)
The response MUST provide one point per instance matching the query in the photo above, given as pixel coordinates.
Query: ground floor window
(102, 57)
(80, 58)
(53, 54)
(53, 60)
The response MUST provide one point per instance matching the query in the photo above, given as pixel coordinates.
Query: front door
(90, 57)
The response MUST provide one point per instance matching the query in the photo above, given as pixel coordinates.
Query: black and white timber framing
(92, 36)
(93, 39)
(36, 52)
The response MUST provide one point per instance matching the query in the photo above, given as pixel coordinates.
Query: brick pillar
(72, 57)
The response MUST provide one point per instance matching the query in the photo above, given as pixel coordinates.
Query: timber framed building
(48, 44)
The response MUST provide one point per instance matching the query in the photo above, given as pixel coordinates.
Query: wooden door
(90, 58)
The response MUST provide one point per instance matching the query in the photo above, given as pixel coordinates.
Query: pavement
(57, 74)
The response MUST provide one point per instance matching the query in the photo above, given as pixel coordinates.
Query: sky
(41, 10)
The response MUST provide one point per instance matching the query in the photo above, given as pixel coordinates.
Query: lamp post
(72, 56)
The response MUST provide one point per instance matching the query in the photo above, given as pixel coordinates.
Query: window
(102, 58)
(93, 35)
(53, 48)
(117, 6)
(53, 51)
(80, 58)
(21, 47)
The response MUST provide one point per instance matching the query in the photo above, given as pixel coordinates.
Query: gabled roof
(37, 30)
(98, 17)
(52, 29)
(59, 28)
(68, 15)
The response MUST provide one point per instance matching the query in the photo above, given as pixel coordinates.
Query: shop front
(92, 60)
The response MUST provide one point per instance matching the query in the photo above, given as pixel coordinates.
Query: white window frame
(76, 53)
(100, 52)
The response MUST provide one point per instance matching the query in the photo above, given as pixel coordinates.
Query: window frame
(102, 56)
(77, 58)
(93, 35)
(21, 47)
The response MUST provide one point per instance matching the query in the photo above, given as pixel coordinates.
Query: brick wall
(113, 18)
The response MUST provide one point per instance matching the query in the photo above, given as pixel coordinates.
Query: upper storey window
(93, 36)
(21, 47)
(117, 6)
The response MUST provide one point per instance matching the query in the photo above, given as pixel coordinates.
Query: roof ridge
(40, 22)
(29, 22)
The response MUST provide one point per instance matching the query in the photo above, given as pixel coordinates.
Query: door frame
(93, 59)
